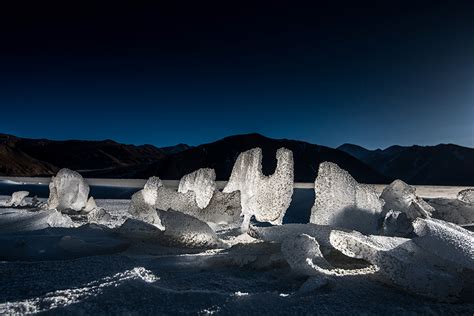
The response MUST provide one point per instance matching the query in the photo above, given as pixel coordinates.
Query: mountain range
(436, 165)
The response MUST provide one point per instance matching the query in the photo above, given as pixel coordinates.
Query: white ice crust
(68, 190)
(399, 196)
(202, 182)
(342, 202)
(17, 198)
(265, 197)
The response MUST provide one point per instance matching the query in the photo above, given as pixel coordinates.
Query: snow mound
(453, 210)
(17, 198)
(342, 202)
(399, 196)
(136, 229)
(17, 220)
(266, 197)
(402, 263)
(466, 195)
(446, 240)
(68, 190)
(396, 223)
(187, 231)
(202, 182)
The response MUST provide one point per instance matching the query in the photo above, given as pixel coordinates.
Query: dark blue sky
(378, 74)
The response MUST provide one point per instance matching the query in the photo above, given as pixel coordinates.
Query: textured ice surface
(223, 208)
(150, 190)
(187, 231)
(342, 202)
(466, 195)
(68, 190)
(15, 220)
(99, 216)
(453, 210)
(202, 182)
(304, 256)
(446, 240)
(140, 209)
(91, 205)
(399, 196)
(396, 223)
(266, 197)
(17, 198)
(402, 263)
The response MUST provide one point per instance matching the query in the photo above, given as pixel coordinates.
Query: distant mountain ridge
(436, 165)
(443, 164)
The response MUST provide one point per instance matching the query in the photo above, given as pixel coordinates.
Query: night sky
(375, 74)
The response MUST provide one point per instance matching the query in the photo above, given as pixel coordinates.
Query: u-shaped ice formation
(342, 202)
(265, 197)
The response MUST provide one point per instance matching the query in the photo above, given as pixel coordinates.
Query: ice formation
(221, 208)
(202, 182)
(68, 190)
(402, 263)
(342, 202)
(17, 198)
(396, 223)
(304, 256)
(466, 195)
(446, 240)
(141, 210)
(187, 231)
(399, 196)
(137, 229)
(99, 216)
(453, 210)
(91, 205)
(265, 197)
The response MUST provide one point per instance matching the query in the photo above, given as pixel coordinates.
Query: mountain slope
(222, 154)
(444, 164)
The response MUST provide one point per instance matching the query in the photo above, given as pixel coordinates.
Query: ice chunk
(137, 229)
(223, 208)
(466, 195)
(453, 210)
(150, 190)
(68, 190)
(202, 182)
(402, 263)
(396, 223)
(303, 255)
(187, 231)
(446, 240)
(399, 196)
(99, 216)
(17, 198)
(266, 197)
(140, 209)
(91, 205)
(341, 201)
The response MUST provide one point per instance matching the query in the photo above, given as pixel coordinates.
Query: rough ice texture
(137, 229)
(17, 198)
(396, 223)
(187, 231)
(266, 197)
(303, 255)
(402, 263)
(466, 195)
(91, 205)
(99, 216)
(222, 207)
(446, 240)
(141, 210)
(68, 190)
(453, 210)
(202, 182)
(342, 202)
(399, 196)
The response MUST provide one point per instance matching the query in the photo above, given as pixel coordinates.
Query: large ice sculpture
(265, 197)
(68, 190)
(399, 196)
(202, 182)
(17, 198)
(402, 263)
(342, 202)
(466, 196)
(446, 240)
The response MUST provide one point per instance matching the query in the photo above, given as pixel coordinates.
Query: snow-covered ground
(91, 270)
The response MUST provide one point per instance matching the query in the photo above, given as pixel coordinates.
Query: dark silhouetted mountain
(444, 164)
(222, 154)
